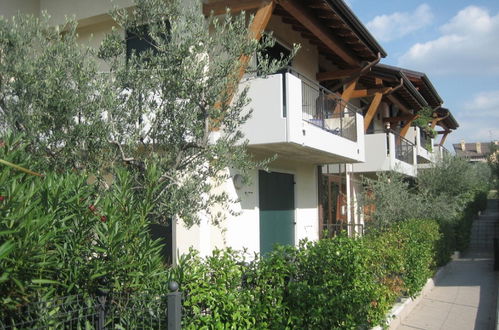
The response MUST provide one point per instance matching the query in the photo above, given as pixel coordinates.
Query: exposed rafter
(397, 119)
(260, 22)
(357, 75)
(220, 7)
(444, 137)
(339, 74)
(360, 93)
(258, 25)
(302, 15)
(399, 105)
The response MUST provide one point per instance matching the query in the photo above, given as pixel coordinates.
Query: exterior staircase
(485, 228)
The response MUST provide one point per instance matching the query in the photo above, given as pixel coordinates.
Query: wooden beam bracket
(364, 70)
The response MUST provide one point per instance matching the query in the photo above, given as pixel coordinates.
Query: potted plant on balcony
(425, 116)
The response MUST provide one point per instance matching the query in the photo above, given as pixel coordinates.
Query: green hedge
(60, 236)
(342, 282)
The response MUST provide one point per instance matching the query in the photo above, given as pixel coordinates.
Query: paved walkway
(465, 297)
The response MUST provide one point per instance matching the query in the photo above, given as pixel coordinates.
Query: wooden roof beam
(300, 13)
(339, 74)
(399, 105)
(360, 93)
(373, 109)
(444, 137)
(220, 7)
(357, 75)
(397, 119)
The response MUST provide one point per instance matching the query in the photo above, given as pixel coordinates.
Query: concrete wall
(87, 12)
(380, 156)
(269, 125)
(9, 8)
(414, 136)
(306, 60)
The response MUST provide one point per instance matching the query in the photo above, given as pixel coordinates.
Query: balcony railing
(324, 109)
(352, 229)
(424, 140)
(404, 149)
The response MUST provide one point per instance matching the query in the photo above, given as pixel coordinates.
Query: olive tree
(170, 113)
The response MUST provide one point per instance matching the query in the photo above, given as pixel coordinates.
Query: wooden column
(373, 109)
(258, 25)
(346, 96)
(260, 22)
(349, 90)
(405, 129)
(442, 141)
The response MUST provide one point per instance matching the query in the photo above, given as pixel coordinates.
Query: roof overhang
(407, 94)
(329, 24)
(426, 88)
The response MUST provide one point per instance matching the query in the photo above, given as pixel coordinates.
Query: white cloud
(484, 104)
(399, 24)
(479, 118)
(468, 44)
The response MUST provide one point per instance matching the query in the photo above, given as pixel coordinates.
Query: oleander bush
(61, 236)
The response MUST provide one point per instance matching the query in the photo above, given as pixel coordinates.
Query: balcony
(388, 152)
(439, 153)
(423, 145)
(300, 120)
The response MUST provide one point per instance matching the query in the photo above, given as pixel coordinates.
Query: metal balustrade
(404, 149)
(325, 109)
(352, 229)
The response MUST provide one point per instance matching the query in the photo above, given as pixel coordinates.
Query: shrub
(341, 282)
(333, 286)
(419, 242)
(214, 297)
(60, 236)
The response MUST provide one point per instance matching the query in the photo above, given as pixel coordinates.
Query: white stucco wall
(242, 232)
(306, 60)
(88, 11)
(9, 8)
(269, 125)
(380, 156)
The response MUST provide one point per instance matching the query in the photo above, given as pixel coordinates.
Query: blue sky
(456, 43)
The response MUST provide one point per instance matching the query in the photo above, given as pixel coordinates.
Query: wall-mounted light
(238, 181)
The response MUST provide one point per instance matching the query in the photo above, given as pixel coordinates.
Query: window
(276, 52)
(139, 40)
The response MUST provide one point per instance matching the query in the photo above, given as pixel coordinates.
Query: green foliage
(337, 283)
(387, 193)
(51, 92)
(441, 192)
(213, 294)
(61, 236)
(419, 239)
(333, 286)
(493, 161)
(425, 116)
(155, 109)
(450, 192)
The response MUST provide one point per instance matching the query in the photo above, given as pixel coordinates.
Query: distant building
(474, 152)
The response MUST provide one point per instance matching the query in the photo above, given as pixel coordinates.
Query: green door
(277, 210)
